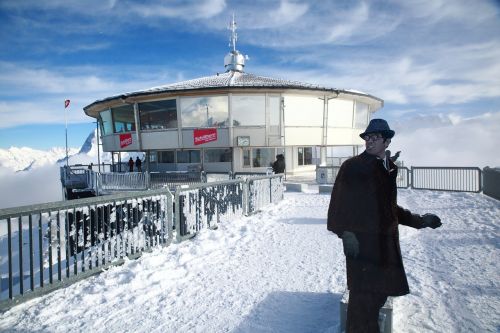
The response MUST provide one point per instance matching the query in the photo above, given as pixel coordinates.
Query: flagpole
(66, 127)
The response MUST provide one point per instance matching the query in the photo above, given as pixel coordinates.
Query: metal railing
(263, 190)
(130, 181)
(458, 179)
(491, 182)
(403, 178)
(171, 179)
(48, 246)
(205, 206)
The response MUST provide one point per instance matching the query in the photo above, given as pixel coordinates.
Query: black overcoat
(364, 201)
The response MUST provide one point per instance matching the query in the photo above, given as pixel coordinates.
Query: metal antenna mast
(234, 35)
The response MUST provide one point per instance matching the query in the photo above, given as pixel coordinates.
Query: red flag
(66, 103)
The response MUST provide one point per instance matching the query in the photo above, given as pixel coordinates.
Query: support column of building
(324, 138)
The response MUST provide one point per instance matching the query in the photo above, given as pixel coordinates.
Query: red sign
(125, 140)
(204, 135)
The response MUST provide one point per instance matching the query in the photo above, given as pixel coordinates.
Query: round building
(234, 121)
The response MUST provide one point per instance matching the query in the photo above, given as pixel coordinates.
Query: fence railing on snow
(205, 206)
(173, 178)
(460, 179)
(491, 182)
(114, 181)
(48, 246)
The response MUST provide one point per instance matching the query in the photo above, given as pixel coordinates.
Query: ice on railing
(277, 189)
(207, 206)
(259, 194)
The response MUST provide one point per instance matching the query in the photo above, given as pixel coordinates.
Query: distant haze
(436, 140)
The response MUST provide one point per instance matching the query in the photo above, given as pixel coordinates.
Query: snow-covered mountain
(25, 159)
(29, 176)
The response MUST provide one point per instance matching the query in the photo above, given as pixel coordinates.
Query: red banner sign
(125, 140)
(204, 135)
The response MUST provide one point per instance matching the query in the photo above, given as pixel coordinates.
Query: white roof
(230, 79)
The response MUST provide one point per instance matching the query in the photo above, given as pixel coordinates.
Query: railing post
(246, 197)
(412, 175)
(480, 175)
(9, 249)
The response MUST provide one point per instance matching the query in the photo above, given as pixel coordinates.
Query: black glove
(431, 221)
(351, 244)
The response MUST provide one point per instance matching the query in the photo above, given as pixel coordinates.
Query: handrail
(51, 245)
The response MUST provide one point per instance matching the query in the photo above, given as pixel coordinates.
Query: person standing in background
(131, 165)
(279, 164)
(138, 164)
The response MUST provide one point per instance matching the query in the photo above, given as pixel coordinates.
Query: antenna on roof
(234, 35)
(234, 60)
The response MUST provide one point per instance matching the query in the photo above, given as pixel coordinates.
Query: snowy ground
(282, 271)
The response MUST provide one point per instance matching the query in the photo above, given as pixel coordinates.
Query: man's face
(375, 144)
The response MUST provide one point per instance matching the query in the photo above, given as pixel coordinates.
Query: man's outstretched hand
(431, 221)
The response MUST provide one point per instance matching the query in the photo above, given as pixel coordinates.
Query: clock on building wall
(243, 141)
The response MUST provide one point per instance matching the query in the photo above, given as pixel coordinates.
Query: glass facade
(360, 115)
(217, 155)
(123, 118)
(209, 111)
(248, 110)
(340, 113)
(188, 156)
(166, 156)
(158, 114)
(106, 122)
(258, 157)
(303, 111)
(274, 108)
(304, 155)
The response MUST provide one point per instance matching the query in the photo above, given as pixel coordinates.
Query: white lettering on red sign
(125, 140)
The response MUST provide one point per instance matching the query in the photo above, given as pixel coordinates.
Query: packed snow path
(282, 271)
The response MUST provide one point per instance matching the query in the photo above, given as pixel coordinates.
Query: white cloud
(462, 11)
(449, 140)
(36, 95)
(186, 10)
(25, 188)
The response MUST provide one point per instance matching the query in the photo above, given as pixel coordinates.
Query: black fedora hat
(378, 126)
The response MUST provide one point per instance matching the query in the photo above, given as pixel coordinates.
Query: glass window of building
(248, 110)
(274, 108)
(247, 157)
(304, 156)
(123, 118)
(188, 156)
(340, 113)
(158, 114)
(106, 122)
(360, 115)
(217, 155)
(209, 111)
(263, 157)
(303, 111)
(166, 156)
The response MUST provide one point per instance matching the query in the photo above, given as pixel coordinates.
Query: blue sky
(431, 61)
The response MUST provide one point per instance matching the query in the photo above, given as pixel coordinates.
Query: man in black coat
(364, 213)
(279, 164)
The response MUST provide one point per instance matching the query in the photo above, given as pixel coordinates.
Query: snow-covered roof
(230, 79)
